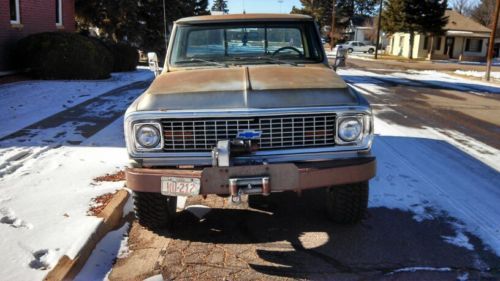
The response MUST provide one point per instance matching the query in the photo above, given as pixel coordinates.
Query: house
(363, 29)
(19, 18)
(463, 39)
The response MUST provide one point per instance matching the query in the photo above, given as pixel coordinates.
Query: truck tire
(154, 210)
(347, 204)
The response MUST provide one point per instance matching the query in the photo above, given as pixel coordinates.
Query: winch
(221, 157)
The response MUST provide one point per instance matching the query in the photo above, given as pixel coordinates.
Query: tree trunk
(412, 38)
(332, 36)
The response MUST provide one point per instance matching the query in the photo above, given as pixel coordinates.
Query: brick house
(19, 18)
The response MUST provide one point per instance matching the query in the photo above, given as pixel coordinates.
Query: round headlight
(350, 129)
(148, 136)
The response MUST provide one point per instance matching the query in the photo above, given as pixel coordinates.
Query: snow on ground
(419, 78)
(477, 74)
(26, 102)
(433, 172)
(51, 192)
(45, 191)
(46, 188)
(113, 245)
(425, 173)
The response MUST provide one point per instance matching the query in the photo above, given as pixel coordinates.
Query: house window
(58, 12)
(474, 45)
(15, 16)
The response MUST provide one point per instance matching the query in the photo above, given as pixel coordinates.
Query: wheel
(350, 50)
(154, 210)
(371, 51)
(347, 204)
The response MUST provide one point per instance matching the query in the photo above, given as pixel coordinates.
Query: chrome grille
(278, 132)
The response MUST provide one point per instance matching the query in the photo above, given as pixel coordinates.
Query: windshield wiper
(205, 61)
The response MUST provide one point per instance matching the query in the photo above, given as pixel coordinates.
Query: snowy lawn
(478, 74)
(46, 188)
(24, 103)
(45, 199)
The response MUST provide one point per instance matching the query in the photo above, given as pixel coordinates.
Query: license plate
(174, 186)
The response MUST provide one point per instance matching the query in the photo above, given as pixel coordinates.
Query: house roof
(243, 17)
(459, 22)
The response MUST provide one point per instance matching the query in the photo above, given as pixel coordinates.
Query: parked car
(355, 46)
(247, 104)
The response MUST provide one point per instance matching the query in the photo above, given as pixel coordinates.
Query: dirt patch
(99, 203)
(118, 176)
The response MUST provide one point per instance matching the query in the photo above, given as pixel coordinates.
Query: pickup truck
(247, 105)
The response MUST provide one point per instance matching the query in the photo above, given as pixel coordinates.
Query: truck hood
(276, 86)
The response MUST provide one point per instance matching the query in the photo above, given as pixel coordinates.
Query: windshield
(223, 45)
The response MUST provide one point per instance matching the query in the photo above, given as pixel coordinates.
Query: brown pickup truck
(247, 104)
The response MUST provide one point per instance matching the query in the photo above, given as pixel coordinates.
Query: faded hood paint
(276, 86)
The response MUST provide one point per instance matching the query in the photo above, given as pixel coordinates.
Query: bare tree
(464, 7)
(483, 12)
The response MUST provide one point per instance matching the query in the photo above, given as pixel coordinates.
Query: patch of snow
(463, 277)
(432, 172)
(477, 74)
(113, 245)
(129, 205)
(7, 216)
(52, 189)
(422, 268)
(24, 103)
(157, 277)
(460, 240)
(44, 259)
(198, 210)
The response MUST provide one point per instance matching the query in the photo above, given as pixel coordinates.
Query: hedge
(125, 57)
(60, 55)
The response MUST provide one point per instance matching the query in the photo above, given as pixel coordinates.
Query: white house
(464, 39)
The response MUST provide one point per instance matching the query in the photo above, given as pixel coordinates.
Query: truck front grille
(278, 132)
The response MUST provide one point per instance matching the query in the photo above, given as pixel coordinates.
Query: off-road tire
(371, 51)
(347, 204)
(153, 210)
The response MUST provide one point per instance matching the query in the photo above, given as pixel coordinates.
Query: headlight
(350, 129)
(148, 136)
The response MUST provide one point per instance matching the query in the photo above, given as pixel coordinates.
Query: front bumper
(282, 177)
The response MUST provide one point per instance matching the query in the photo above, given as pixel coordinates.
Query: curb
(112, 215)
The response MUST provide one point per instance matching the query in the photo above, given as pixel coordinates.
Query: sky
(272, 6)
(260, 6)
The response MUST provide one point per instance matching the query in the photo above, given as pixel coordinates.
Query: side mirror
(153, 63)
(340, 58)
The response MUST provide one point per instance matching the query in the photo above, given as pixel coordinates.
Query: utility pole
(492, 41)
(379, 25)
(332, 32)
